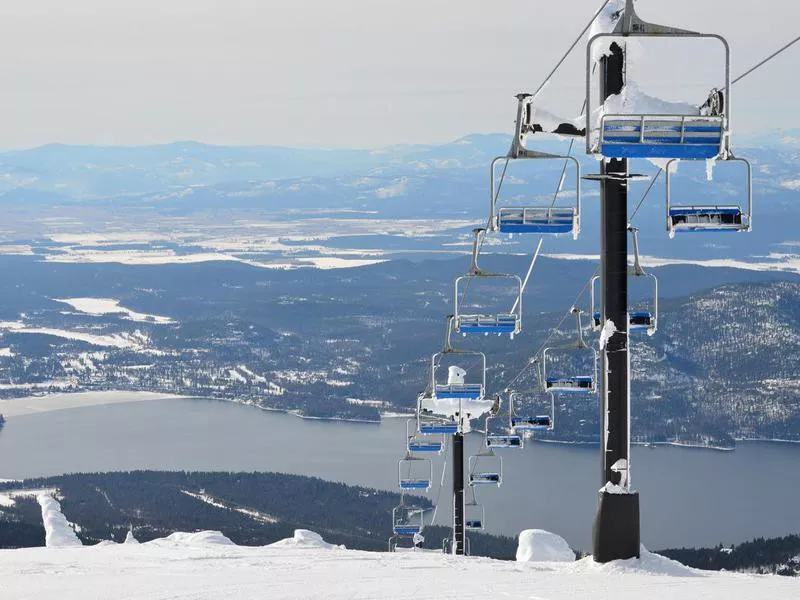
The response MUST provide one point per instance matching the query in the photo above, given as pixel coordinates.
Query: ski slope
(208, 566)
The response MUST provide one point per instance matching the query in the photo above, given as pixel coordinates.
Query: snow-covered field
(207, 566)
(110, 306)
(135, 340)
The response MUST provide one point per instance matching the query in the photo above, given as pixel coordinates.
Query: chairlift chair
(408, 519)
(708, 217)
(415, 444)
(485, 468)
(528, 218)
(415, 472)
(460, 390)
(508, 439)
(644, 321)
(474, 514)
(674, 136)
(499, 323)
(586, 384)
(539, 421)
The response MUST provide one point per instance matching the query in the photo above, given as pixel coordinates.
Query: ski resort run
(206, 565)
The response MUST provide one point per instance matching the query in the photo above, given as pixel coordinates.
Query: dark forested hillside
(776, 555)
(249, 508)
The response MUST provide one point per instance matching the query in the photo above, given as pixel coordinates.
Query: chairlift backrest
(638, 135)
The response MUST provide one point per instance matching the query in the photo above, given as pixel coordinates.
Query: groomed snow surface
(206, 565)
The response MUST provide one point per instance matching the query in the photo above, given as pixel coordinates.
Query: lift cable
(570, 49)
(739, 78)
(766, 60)
(553, 331)
(563, 171)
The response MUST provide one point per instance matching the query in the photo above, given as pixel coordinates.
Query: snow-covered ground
(107, 306)
(207, 566)
(135, 340)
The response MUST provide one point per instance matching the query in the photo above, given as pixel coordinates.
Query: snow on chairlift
(710, 217)
(507, 439)
(474, 322)
(474, 513)
(485, 468)
(408, 519)
(429, 423)
(415, 472)
(699, 136)
(540, 420)
(415, 444)
(528, 218)
(644, 321)
(570, 383)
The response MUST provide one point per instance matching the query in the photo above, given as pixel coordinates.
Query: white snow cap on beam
(538, 545)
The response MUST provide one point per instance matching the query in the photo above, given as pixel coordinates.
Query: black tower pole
(616, 527)
(458, 493)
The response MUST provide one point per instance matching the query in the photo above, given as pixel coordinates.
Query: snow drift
(303, 538)
(538, 545)
(57, 530)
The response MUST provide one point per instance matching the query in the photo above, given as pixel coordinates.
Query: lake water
(689, 497)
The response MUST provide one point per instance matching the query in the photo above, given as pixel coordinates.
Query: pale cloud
(360, 73)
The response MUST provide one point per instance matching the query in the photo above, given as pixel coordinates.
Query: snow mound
(538, 545)
(129, 539)
(57, 531)
(303, 538)
(648, 562)
(195, 539)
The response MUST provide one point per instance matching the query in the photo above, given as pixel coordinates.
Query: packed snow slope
(208, 566)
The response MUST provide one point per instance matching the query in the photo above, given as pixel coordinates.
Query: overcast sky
(338, 72)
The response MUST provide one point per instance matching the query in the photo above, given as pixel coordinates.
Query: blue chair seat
(479, 478)
(661, 136)
(487, 324)
(467, 391)
(504, 441)
(706, 218)
(580, 383)
(473, 524)
(537, 423)
(407, 529)
(424, 446)
(439, 428)
(415, 484)
(540, 220)
(640, 320)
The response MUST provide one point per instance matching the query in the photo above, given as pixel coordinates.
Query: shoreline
(34, 405)
(37, 404)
